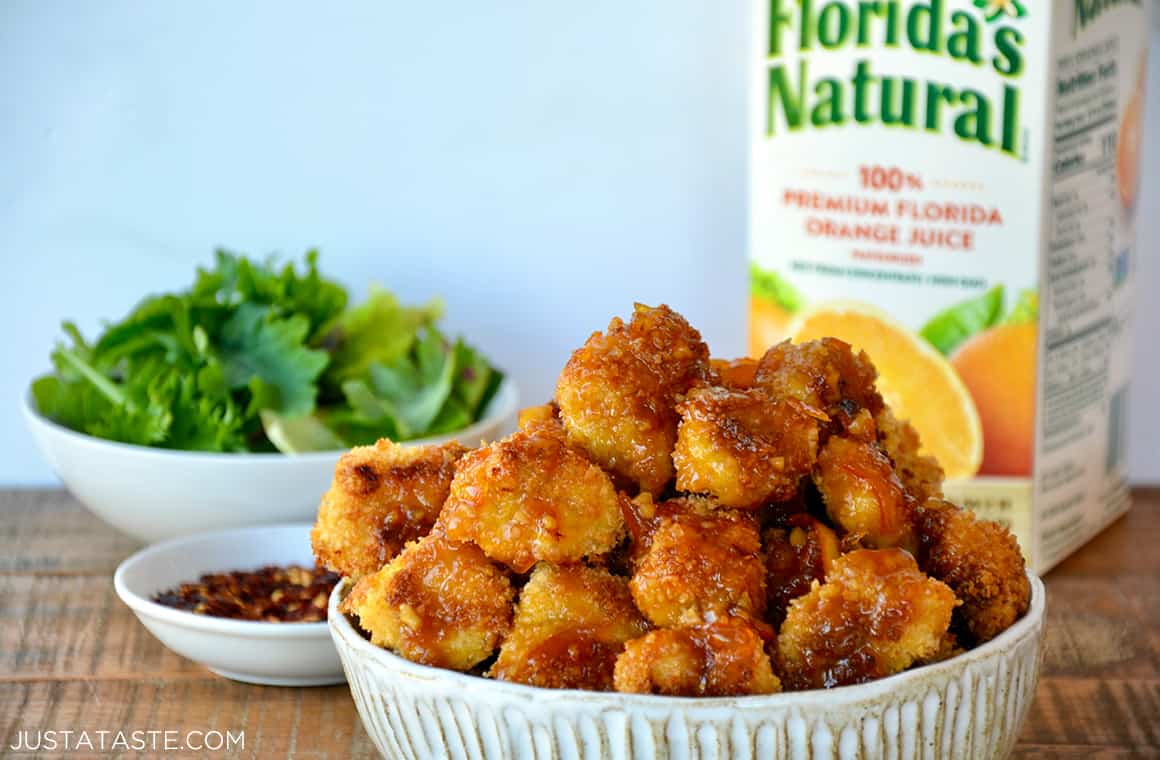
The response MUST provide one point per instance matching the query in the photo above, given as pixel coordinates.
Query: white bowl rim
(207, 623)
(341, 629)
(503, 404)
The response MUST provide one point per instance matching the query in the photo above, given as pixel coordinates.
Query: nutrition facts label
(1078, 303)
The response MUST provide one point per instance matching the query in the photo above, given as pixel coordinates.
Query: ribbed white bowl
(154, 494)
(971, 706)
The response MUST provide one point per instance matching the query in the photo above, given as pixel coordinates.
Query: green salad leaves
(254, 357)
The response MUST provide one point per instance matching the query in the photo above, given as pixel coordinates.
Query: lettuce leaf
(296, 435)
(257, 346)
(475, 384)
(436, 387)
(257, 357)
(417, 386)
(237, 280)
(379, 331)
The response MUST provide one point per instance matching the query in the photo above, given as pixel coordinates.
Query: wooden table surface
(72, 657)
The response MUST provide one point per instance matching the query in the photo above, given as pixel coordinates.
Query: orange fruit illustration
(767, 324)
(1128, 152)
(915, 379)
(998, 366)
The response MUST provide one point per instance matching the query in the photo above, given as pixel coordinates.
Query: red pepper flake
(270, 594)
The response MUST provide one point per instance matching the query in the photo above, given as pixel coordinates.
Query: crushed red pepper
(271, 594)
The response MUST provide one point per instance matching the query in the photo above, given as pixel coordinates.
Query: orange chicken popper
(738, 374)
(533, 497)
(702, 562)
(981, 562)
(825, 374)
(743, 447)
(437, 603)
(876, 614)
(921, 475)
(673, 525)
(531, 415)
(382, 497)
(618, 393)
(724, 658)
(795, 557)
(863, 495)
(571, 624)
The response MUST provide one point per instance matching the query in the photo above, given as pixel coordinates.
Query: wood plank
(316, 723)
(74, 627)
(48, 531)
(1096, 628)
(1094, 712)
(1062, 752)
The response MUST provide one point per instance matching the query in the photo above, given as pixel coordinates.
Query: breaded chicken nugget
(533, 497)
(724, 658)
(948, 647)
(437, 603)
(618, 393)
(921, 475)
(981, 561)
(382, 497)
(826, 374)
(701, 562)
(738, 374)
(530, 415)
(863, 495)
(861, 427)
(742, 447)
(795, 557)
(571, 624)
(876, 614)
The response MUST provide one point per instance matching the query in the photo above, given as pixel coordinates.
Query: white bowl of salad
(229, 403)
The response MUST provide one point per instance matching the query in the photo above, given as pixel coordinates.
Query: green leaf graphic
(1026, 309)
(950, 327)
(772, 287)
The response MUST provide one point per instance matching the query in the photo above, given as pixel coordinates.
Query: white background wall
(539, 164)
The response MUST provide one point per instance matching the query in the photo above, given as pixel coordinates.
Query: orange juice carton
(951, 186)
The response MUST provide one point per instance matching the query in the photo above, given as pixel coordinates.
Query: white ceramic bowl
(969, 707)
(275, 654)
(153, 494)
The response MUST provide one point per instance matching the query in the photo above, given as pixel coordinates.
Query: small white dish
(154, 494)
(968, 707)
(272, 654)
